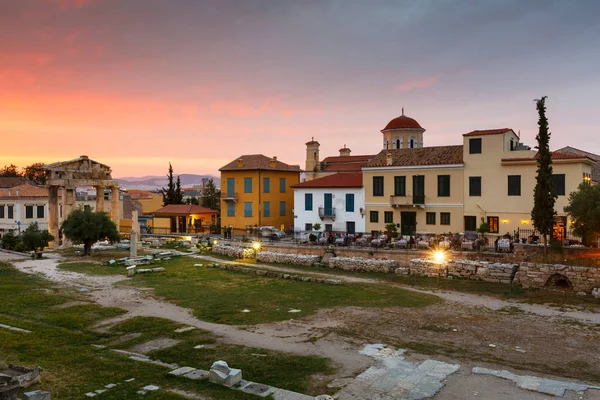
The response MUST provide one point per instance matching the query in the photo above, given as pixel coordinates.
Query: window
(378, 186)
(475, 146)
(308, 201)
(1, 211)
(474, 186)
(40, 211)
(266, 185)
(248, 209)
(444, 218)
(399, 186)
(308, 227)
(10, 212)
(374, 216)
(28, 212)
(281, 185)
(470, 223)
(282, 208)
(514, 185)
(388, 217)
(349, 202)
(230, 187)
(494, 223)
(558, 184)
(430, 218)
(230, 209)
(443, 185)
(267, 209)
(247, 185)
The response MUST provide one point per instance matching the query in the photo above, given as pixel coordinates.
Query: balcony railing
(409, 200)
(326, 213)
(229, 196)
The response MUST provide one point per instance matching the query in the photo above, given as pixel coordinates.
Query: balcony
(326, 213)
(229, 197)
(408, 201)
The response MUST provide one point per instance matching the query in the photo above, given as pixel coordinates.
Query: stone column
(68, 201)
(135, 226)
(133, 244)
(68, 206)
(99, 198)
(115, 212)
(53, 213)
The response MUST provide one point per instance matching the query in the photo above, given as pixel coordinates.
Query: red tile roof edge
(484, 132)
(343, 180)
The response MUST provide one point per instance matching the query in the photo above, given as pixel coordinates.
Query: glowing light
(215, 242)
(505, 221)
(256, 246)
(439, 256)
(524, 221)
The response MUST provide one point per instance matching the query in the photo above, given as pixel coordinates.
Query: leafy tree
(34, 239)
(392, 229)
(172, 194)
(35, 173)
(87, 227)
(317, 227)
(211, 197)
(584, 210)
(544, 197)
(193, 200)
(9, 171)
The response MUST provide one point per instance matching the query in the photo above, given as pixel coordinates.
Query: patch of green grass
(220, 295)
(61, 342)
(93, 268)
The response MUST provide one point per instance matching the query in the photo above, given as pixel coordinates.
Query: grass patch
(93, 268)
(220, 296)
(61, 342)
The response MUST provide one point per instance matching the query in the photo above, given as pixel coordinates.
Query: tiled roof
(333, 181)
(555, 156)
(312, 142)
(256, 162)
(142, 195)
(348, 159)
(26, 190)
(488, 132)
(595, 157)
(183, 209)
(341, 167)
(402, 122)
(8, 182)
(438, 155)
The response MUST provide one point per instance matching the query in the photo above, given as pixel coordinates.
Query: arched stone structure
(68, 175)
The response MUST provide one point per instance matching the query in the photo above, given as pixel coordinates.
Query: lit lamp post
(256, 246)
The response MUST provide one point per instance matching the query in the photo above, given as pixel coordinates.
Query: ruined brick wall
(579, 279)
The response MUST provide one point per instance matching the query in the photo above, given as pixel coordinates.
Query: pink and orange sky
(138, 83)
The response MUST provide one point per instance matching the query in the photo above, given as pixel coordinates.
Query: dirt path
(467, 299)
(141, 303)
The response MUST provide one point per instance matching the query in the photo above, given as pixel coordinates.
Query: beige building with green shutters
(489, 177)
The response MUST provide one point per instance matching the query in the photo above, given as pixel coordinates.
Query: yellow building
(255, 191)
(150, 201)
(489, 178)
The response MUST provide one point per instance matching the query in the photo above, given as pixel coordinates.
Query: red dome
(403, 122)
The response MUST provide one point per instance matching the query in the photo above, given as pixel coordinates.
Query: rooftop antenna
(403, 111)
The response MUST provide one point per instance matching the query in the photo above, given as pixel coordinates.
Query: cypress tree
(172, 194)
(544, 197)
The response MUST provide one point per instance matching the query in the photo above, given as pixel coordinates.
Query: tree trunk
(545, 244)
(87, 247)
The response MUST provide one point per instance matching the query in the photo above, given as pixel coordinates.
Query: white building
(337, 202)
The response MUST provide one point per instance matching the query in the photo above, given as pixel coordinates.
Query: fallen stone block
(37, 395)
(182, 371)
(221, 374)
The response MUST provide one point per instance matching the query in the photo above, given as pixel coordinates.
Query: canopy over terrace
(182, 219)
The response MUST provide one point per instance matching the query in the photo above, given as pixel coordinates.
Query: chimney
(240, 162)
(344, 151)
(273, 162)
(388, 159)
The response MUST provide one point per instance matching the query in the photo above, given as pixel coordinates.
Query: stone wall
(362, 264)
(283, 258)
(553, 276)
(233, 251)
(482, 270)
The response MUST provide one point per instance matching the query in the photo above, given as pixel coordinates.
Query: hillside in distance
(153, 182)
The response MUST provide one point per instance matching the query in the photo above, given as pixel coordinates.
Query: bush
(312, 237)
(9, 241)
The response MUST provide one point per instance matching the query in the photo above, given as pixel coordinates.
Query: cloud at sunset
(150, 80)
